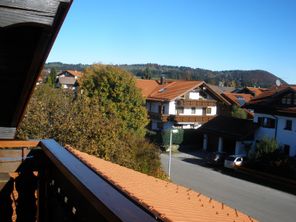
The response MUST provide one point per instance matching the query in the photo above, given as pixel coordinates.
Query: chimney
(162, 80)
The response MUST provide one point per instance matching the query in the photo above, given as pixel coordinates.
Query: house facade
(68, 79)
(180, 104)
(275, 113)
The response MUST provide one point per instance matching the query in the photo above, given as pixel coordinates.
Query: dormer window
(287, 99)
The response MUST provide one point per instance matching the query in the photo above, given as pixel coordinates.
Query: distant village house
(68, 79)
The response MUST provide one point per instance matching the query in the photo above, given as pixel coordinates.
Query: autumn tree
(117, 96)
(81, 121)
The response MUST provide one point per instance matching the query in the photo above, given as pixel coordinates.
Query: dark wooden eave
(28, 29)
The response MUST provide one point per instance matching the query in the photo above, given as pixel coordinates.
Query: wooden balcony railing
(198, 119)
(195, 103)
(180, 118)
(54, 186)
(158, 116)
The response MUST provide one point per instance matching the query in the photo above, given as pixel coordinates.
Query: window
(209, 110)
(180, 110)
(287, 99)
(266, 122)
(163, 110)
(193, 110)
(288, 124)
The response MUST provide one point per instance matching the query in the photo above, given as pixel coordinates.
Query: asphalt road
(262, 203)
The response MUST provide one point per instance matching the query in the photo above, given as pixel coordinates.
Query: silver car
(233, 161)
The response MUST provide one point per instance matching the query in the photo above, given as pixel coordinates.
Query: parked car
(234, 161)
(217, 158)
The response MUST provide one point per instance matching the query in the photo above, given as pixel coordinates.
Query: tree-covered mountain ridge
(235, 78)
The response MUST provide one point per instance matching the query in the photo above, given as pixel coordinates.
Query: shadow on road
(202, 161)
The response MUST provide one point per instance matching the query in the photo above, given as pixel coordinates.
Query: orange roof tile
(75, 73)
(146, 86)
(172, 90)
(234, 97)
(167, 201)
(256, 91)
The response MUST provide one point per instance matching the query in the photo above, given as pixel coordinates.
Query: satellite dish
(278, 83)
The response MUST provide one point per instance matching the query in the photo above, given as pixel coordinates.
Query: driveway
(260, 202)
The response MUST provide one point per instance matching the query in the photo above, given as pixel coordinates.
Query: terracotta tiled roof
(172, 90)
(256, 91)
(270, 93)
(165, 200)
(234, 98)
(146, 86)
(75, 73)
(267, 102)
(72, 72)
(153, 90)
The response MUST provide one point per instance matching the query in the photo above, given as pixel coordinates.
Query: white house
(180, 104)
(68, 79)
(275, 113)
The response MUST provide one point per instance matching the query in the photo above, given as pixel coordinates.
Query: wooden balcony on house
(158, 116)
(195, 103)
(195, 119)
(54, 185)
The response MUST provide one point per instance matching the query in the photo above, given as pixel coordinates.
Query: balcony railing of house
(195, 103)
(180, 118)
(52, 184)
(159, 116)
(185, 118)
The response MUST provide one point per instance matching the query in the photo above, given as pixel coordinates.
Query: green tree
(147, 73)
(265, 148)
(117, 96)
(238, 112)
(177, 138)
(52, 77)
(79, 122)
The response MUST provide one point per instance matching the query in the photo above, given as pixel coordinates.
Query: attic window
(162, 90)
(287, 99)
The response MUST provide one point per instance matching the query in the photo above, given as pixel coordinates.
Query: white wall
(287, 137)
(172, 108)
(213, 110)
(282, 136)
(193, 95)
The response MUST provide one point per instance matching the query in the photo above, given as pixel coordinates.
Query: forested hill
(236, 78)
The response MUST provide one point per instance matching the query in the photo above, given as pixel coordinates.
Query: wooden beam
(18, 143)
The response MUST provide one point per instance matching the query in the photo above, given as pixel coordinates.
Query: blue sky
(210, 34)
